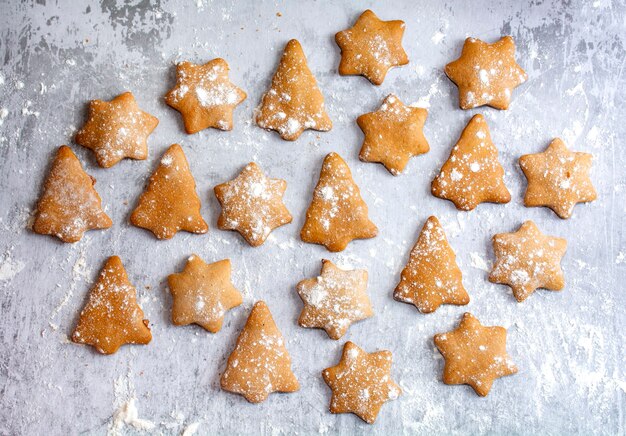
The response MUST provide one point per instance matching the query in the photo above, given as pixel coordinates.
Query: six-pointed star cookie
(117, 129)
(527, 260)
(475, 355)
(334, 299)
(558, 178)
(361, 382)
(203, 293)
(371, 47)
(393, 134)
(204, 95)
(486, 74)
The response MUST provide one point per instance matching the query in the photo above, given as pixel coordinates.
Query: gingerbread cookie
(252, 204)
(205, 96)
(475, 355)
(293, 103)
(361, 382)
(337, 213)
(371, 47)
(260, 363)
(334, 300)
(69, 205)
(112, 317)
(203, 293)
(393, 134)
(558, 178)
(527, 260)
(431, 277)
(472, 174)
(486, 74)
(117, 129)
(170, 202)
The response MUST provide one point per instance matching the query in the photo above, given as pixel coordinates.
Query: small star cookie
(431, 277)
(558, 178)
(170, 202)
(486, 74)
(117, 129)
(475, 355)
(294, 102)
(112, 317)
(371, 47)
(69, 205)
(252, 204)
(260, 363)
(334, 299)
(393, 134)
(205, 96)
(361, 382)
(472, 174)
(337, 214)
(203, 293)
(527, 260)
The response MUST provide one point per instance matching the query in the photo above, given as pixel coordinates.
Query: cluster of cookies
(252, 205)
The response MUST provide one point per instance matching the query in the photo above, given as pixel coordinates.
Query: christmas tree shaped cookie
(170, 202)
(69, 204)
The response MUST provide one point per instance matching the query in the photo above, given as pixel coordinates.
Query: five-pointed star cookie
(204, 95)
(486, 74)
(252, 204)
(203, 293)
(361, 382)
(393, 134)
(371, 47)
(527, 260)
(117, 129)
(474, 355)
(558, 178)
(334, 300)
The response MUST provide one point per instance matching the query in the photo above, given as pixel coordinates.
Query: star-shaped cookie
(393, 134)
(527, 260)
(334, 300)
(361, 382)
(203, 293)
(117, 129)
(252, 204)
(371, 47)
(486, 74)
(204, 95)
(558, 178)
(475, 355)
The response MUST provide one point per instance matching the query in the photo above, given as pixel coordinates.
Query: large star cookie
(117, 129)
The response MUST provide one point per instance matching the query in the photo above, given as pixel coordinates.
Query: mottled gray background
(569, 346)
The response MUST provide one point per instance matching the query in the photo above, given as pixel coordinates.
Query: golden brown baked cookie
(337, 214)
(527, 260)
(361, 382)
(203, 293)
(260, 363)
(393, 134)
(112, 317)
(431, 277)
(371, 47)
(252, 204)
(69, 205)
(204, 95)
(294, 102)
(472, 174)
(558, 178)
(334, 299)
(117, 129)
(486, 74)
(170, 202)
(475, 355)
